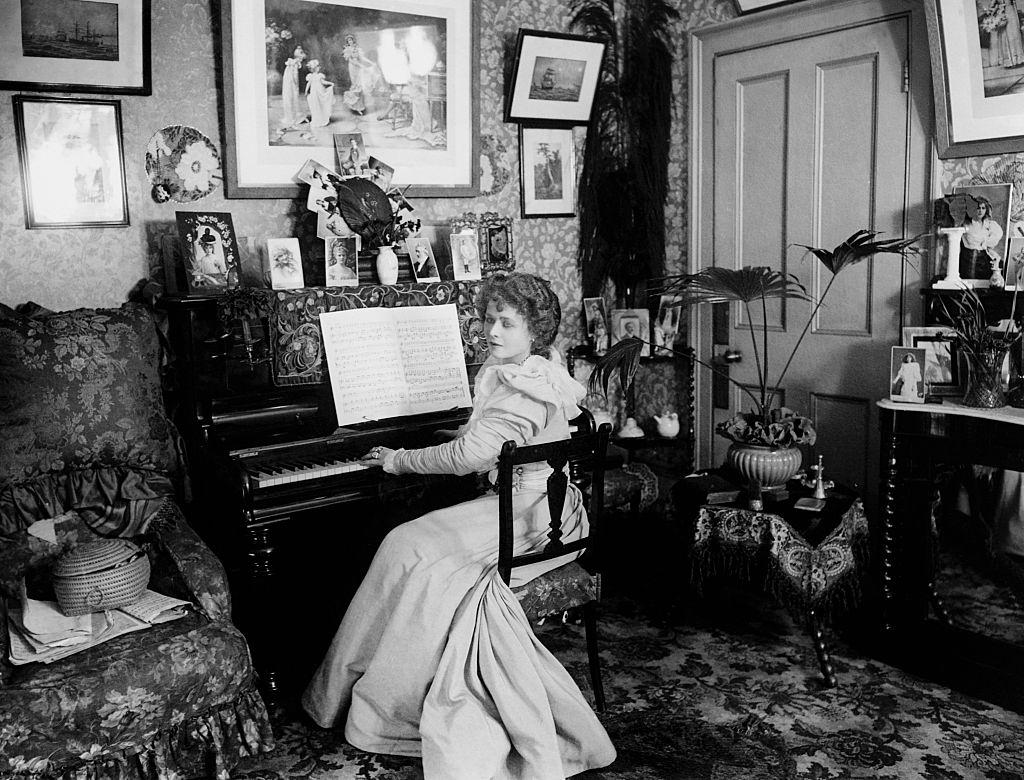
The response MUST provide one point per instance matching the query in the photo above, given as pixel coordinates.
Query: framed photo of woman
(906, 375)
(983, 246)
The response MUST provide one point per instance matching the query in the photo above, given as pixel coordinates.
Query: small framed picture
(380, 173)
(632, 323)
(284, 261)
(667, 324)
(439, 236)
(597, 324)
(494, 234)
(554, 77)
(465, 255)
(906, 375)
(421, 255)
(74, 46)
(209, 250)
(351, 154)
(547, 179)
(342, 261)
(941, 358)
(72, 162)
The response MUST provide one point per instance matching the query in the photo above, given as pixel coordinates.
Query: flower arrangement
(275, 36)
(994, 17)
(750, 287)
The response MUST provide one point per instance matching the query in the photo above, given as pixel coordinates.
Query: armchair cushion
(81, 389)
(162, 702)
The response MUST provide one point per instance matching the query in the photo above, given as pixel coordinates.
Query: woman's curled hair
(532, 297)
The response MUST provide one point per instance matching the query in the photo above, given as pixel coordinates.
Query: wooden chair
(574, 584)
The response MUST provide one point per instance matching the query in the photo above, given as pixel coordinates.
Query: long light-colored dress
(320, 96)
(435, 657)
(292, 109)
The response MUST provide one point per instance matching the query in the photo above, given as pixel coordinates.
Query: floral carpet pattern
(693, 699)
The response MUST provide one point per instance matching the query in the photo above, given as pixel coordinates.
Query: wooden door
(809, 124)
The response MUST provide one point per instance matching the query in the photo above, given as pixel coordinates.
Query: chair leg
(821, 649)
(590, 628)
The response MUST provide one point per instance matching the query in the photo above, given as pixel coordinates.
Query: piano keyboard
(284, 473)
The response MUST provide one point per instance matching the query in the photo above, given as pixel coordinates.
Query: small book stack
(39, 631)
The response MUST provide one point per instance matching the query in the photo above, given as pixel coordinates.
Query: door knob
(732, 356)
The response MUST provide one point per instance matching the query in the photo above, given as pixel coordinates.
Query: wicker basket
(100, 575)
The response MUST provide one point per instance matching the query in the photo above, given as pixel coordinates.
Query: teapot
(668, 424)
(630, 430)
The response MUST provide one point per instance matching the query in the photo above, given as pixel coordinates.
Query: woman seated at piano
(434, 654)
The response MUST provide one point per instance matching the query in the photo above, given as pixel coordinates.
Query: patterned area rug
(695, 700)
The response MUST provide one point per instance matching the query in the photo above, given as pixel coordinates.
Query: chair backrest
(581, 458)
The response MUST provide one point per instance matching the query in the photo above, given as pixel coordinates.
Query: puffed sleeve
(515, 403)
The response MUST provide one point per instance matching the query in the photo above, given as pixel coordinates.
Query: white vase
(387, 265)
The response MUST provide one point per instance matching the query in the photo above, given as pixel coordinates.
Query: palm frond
(726, 285)
(859, 246)
(622, 358)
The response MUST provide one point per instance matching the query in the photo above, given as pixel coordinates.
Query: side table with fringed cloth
(812, 562)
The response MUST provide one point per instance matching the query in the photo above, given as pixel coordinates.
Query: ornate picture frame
(102, 48)
(72, 162)
(976, 112)
(494, 234)
(554, 78)
(942, 373)
(402, 74)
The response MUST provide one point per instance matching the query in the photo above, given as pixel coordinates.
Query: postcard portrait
(380, 173)
(907, 375)
(421, 255)
(632, 323)
(351, 154)
(597, 324)
(284, 261)
(465, 255)
(341, 259)
(667, 324)
(400, 73)
(331, 225)
(209, 250)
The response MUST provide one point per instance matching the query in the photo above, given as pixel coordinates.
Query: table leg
(824, 659)
(888, 540)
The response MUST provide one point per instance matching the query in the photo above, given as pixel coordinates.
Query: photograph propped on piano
(435, 602)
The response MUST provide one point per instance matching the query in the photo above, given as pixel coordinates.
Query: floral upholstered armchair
(85, 441)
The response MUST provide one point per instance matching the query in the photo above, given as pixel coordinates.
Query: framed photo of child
(597, 324)
(667, 324)
(906, 375)
(983, 246)
(465, 255)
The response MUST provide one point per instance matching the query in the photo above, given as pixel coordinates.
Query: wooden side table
(810, 561)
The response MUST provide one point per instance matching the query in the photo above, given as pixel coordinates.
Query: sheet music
(394, 362)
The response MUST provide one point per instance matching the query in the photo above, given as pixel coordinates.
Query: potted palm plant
(764, 439)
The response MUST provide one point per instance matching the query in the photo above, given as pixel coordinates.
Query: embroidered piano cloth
(435, 657)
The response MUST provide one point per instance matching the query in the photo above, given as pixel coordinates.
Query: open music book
(397, 362)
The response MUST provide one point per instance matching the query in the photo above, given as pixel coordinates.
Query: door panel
(803, 134)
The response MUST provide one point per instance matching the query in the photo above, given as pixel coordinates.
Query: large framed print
(72, 162)
(76, 46)
(554, 78)
(977, 56)
(401, 73)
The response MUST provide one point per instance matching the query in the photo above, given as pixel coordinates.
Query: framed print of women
(402, 74)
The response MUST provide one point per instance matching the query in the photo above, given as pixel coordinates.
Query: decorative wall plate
(183, 165)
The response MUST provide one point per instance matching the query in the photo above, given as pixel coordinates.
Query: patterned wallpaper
(64, 269)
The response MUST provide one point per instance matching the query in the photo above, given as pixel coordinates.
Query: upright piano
(277, 488)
